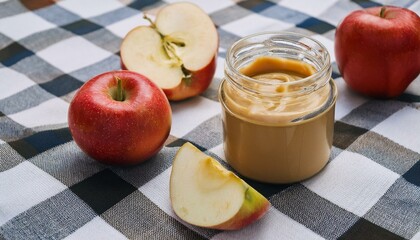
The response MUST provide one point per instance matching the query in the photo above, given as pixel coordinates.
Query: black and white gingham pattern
(49, 189)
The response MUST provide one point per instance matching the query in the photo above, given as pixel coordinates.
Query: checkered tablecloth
(49, 189)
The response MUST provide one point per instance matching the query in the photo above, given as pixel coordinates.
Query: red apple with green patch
(178, 51)
(203, 193)
(120, 117)
(378, 50)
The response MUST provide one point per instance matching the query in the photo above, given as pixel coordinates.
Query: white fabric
(12, 82)
(187, 115)
(208, 6)
(353, 182)
(23, 25)
(96, 229)
(347, 100)
(53, 111)
(402, 127)
(255, 24)
(122, 27)
(72, 54)
(26, 185)
(269, 227)
(307, 6)
(90, 8)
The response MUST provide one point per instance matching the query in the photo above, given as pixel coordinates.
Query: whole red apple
(378, 50)
(120, 117)
(178, 51)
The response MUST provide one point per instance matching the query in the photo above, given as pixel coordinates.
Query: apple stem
(152, 24)
(382, 13)
(187, 75)
(120, 93)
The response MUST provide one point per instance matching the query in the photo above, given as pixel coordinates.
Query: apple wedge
(203, 193)
(178, 51)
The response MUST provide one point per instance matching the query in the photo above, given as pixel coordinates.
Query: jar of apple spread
(278, 101)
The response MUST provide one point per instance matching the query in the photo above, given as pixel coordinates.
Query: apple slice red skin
(120, 133)
(253, 205)
(237, 222)
(379, 62)
(200, 81)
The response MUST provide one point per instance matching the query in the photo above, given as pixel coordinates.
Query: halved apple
(205, 194)
(178, 51)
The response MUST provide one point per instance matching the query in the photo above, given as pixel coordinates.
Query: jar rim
(324, 69)
(298, 121)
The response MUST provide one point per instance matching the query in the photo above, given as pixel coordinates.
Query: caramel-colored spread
(262, 109)
(287, 67)
(261, 140)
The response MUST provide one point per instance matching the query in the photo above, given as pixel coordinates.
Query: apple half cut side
(178, 51)
(203, 193)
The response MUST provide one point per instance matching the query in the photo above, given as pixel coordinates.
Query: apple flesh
(378, 50)
(178, 51)
(120, 117)
(205, 194)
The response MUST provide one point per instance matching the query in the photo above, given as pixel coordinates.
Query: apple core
(177, 51)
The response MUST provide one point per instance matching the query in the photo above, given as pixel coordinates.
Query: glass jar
(278, 101)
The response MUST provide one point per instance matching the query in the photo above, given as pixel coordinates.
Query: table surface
(49, 189)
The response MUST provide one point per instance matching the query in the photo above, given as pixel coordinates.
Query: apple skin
(200, 81)
(253, 208)
(379, 57)
(120, 132)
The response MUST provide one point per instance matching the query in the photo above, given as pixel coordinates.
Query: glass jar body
(277, 136)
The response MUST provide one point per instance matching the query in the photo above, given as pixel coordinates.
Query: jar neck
(289, 46)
